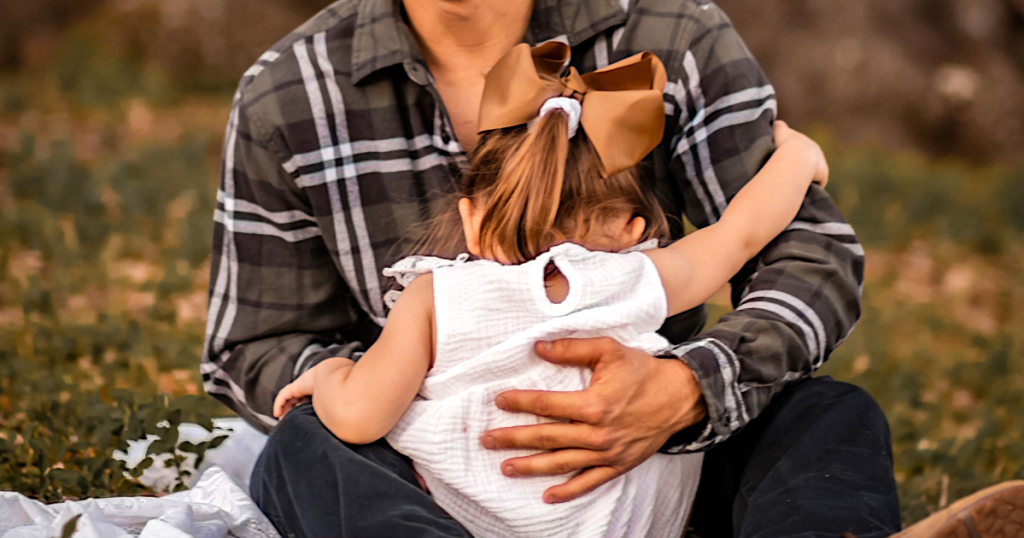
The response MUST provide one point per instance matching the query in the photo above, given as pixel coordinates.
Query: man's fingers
(551, 436)
(552, 463)
(579, 351)
(577, 405)
(580, 484)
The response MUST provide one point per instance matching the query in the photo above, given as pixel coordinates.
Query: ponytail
(520, 213)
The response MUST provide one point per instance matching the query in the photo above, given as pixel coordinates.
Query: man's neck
(460, 37)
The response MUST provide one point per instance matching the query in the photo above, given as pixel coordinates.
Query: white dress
(488, 317)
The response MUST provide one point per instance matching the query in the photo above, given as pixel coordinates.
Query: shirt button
(416, 73)
(445, 137)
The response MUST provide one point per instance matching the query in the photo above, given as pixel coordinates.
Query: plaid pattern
(338, 145)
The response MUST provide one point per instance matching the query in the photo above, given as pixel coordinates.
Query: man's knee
(301, 444)
(837, 395)
(295, 428)
(292, 443)
(850, 400)
(845, 407)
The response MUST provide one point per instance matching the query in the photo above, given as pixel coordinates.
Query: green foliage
(75, 383)
(95, 75)
(892, 199)
(56, 186)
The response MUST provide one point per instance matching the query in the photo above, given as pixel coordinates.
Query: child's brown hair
(537, 187)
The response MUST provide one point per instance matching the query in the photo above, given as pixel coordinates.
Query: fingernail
(488, 442)
(508, 470)
(548, 498)
(546, 346)
(500, 402)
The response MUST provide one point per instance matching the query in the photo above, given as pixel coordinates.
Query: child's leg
(310, 484)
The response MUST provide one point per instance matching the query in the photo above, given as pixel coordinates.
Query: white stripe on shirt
(355, 202)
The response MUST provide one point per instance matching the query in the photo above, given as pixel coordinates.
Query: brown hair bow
(622, 110)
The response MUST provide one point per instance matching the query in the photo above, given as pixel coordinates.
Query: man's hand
(635, 402)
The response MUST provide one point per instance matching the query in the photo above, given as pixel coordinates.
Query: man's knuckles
(537, 403)
(563, 467)
(546, 441)
(600, 439)
(593, 411)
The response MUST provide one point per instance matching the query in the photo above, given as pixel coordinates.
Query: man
(345, 137)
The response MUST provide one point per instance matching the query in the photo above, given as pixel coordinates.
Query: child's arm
(698, 265)
(361, 401)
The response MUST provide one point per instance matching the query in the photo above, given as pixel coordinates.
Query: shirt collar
(382, 38)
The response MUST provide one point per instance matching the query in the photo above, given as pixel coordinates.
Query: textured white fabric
(570, 106)
(407, 269)
(214, 508)
(488, 317)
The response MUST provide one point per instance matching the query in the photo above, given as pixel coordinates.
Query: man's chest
(376, 190)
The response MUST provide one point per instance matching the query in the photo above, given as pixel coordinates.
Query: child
(561, 231)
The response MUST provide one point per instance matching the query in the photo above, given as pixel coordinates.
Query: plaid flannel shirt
(338, 144)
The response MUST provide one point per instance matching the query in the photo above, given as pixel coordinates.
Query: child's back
(488, 318)
(458, 338)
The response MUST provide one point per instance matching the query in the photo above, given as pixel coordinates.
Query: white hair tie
(570, 106)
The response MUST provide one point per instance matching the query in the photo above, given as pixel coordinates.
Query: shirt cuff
(716, 368)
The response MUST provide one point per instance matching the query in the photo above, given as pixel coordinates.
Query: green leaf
(70, 527)
(217, 441)
(39, 445)
(66, 477)
(192, 448)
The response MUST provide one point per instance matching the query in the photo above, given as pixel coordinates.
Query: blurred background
(111, 118)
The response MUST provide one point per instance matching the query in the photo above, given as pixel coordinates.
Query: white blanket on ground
(216, 505)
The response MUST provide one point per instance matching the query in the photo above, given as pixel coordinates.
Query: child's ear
(470, 225)
(635, 230)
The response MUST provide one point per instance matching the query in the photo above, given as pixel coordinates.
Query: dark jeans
(816, 463)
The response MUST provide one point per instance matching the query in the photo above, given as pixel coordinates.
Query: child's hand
(785, 135)
(295, 392)
(301, 389)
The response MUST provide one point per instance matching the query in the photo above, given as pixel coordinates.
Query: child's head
(528, 189)
(536, 179)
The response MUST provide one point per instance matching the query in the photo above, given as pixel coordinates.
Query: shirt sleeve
(278, 304)
(800, 297)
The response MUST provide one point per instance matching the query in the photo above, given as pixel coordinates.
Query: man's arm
(800, 297)
(278, 304)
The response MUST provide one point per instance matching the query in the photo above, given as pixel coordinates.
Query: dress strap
(650, 244)
(406, 270)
